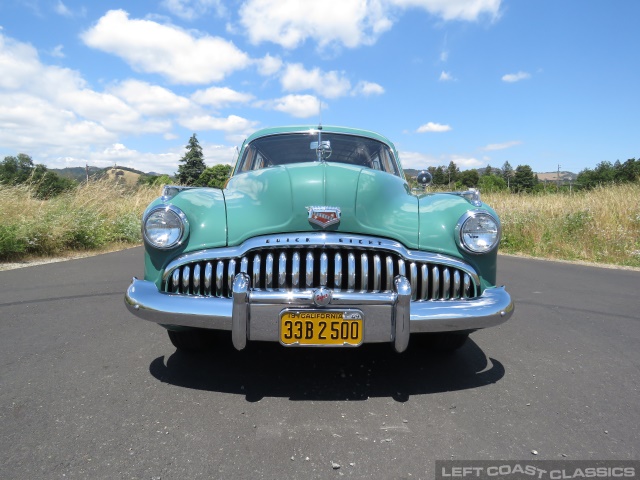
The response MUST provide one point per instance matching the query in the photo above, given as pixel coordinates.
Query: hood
(275, 200)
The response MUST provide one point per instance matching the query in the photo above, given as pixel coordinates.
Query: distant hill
(76, 173)
(126, 175)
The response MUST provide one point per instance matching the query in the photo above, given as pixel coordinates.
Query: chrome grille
(351, 270)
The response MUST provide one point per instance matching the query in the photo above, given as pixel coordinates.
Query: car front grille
(342, 269)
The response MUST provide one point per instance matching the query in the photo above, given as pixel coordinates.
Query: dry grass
(90, 217)
(601, 225)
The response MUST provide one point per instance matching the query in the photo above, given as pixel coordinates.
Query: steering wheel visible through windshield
(285, 149)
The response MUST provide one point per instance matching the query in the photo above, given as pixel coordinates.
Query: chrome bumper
(253, 314)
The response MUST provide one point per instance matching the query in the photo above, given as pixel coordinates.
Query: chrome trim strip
(244, 265)
(325, 239)
(402, 270)
(338, 272)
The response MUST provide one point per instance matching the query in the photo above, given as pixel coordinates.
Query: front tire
(193, 340)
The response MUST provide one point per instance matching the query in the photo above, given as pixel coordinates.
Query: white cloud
(420, 161)
(232, 124)
(269, 65)
(465, 162)
(178, 55)
(290, 22)
(193, 9)
(344, 22)
(515, 77)
(298, 106)
(432, 127)
(151, 99)
(219, 97)
(417, 160)
(329, 85)
(446, 77)
(501, 146)
(366, 89)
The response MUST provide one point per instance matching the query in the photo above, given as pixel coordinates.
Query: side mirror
(424, 178)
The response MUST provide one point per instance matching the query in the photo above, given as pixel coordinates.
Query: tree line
(20, 170)
(523, 178)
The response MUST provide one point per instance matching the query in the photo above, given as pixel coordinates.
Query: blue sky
(536, 82)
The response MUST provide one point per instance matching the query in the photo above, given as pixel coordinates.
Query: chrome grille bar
(413, 268)
(351, 273)
(219, 277)
(337, 275)
(364, 272)
(208, 274)
(185, 279)
(324, 269)
(295, 271)
(282, 270)
(377, 273)
(435, 283)
(309, 270)
(231, 273)
(196, 279)
(446, 284)
(388, 286)
(255, 281)
(269, 272)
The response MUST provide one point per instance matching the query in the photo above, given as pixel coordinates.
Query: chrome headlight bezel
(466, 243)
(170, 212)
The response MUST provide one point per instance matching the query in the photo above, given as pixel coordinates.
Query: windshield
(291, 148)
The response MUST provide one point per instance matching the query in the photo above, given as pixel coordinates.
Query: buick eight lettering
(317, 240)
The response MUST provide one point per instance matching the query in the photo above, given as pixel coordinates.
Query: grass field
(601, 225)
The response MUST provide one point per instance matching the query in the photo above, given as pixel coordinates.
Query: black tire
(442, 342)
(194, 340)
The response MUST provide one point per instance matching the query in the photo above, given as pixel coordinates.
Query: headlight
(478, 232)
(165, 227)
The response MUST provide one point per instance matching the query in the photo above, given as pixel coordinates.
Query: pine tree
(192, 163)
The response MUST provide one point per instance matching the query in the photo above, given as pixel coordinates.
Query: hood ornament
(324, 216)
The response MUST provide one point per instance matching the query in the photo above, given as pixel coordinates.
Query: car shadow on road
(373, 370)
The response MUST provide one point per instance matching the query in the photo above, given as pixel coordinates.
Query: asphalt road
(88, 391)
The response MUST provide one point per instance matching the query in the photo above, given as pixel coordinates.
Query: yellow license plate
(321, 327)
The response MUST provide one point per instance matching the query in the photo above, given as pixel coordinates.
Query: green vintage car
(317, 240)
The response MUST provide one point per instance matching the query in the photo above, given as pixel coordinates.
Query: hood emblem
(324, 216)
